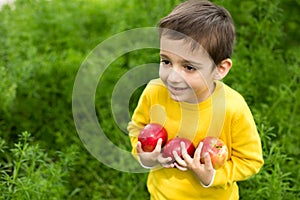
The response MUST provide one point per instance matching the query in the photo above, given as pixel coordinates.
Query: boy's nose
(174, 75)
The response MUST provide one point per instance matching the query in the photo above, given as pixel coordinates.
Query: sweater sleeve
(246, 151)
(139, 120)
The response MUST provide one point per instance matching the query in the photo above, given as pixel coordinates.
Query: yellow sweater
(224, 114)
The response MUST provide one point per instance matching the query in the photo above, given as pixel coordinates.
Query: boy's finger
(179, 159)
(158, 145)
(181, 168)
(200, 146)
(163, 160)
(167, 165)
(197, 154)
(208, 164)
(187, 158)
(183, 149)
(139, 148)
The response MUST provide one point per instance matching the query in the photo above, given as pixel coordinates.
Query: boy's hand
(151, 159)
(203, 171)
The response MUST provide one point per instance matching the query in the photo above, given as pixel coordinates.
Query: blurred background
(44, 42)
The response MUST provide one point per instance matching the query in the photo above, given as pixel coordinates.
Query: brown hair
(206, 23)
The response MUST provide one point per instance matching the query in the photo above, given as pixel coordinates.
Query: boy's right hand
(154, 158)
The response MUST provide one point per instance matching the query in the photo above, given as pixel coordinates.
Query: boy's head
(209, 25)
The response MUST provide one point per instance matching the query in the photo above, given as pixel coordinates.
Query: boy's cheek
(163, 73)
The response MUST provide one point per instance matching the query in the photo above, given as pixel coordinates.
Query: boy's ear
(223, 68)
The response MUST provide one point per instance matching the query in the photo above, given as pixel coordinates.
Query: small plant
(273, 181)
(27, 172)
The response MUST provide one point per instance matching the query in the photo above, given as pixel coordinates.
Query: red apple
(174, 145)
(150, 135)
(217, 150)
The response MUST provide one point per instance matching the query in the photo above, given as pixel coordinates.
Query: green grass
(43, 45)
(27, 172)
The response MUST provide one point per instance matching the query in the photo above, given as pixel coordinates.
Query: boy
(189, 100)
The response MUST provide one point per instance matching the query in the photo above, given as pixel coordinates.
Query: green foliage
(43, 45)
(29, 173)
(40, 37)
(275, 181)
(8, 90)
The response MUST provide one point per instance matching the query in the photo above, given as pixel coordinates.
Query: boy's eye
(166, 62)
(190, 68)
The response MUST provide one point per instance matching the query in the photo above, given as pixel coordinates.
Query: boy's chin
(183, 99)
(175, 97)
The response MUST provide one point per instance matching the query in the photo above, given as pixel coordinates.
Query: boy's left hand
(203, 171)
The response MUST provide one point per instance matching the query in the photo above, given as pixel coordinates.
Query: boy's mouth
(177, 89)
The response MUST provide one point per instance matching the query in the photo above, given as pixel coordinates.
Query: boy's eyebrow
(163, 55)
(183, 60)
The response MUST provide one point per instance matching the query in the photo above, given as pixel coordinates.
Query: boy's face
(188, 75)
